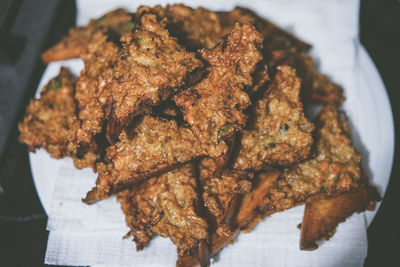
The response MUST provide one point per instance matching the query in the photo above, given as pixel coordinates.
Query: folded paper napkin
(92, 235)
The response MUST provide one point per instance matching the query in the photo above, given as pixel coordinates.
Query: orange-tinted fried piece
(222, 193)
(280, 133)
(214, 107)
(48, 120)
(150, 68)
(92, 97)
(322, 215)
(195, 28)
(152, 146)
(336, 168)
(112, 24)
(169, 206)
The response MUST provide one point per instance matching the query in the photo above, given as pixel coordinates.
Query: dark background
(40, 23)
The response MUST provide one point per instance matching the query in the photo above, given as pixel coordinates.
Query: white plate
(367, 104)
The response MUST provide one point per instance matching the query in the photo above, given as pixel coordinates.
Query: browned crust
(281, 134)
(214, 108)
(323, 214)
(113, 24)
(48, 120)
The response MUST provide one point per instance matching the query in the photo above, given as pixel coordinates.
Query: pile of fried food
(194, 120)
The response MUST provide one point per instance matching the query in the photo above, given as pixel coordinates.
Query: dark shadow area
(380, 34)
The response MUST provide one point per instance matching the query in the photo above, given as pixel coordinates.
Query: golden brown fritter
(92, 96)
(280, 134)
(222, 193)
(322, 215)
(214, 107)
(335, 169)
(152, 146)
(150, 68)
(48, 120)
(194, 28)
(112, 24)
(169, 206)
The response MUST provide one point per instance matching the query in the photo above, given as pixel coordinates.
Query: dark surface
(23, 236)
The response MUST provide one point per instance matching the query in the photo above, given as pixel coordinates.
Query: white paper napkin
(92, 235)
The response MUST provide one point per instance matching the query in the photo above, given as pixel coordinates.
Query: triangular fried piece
(150, 68)
(280, 133)
(214, 108)
(113, 24)
(49, 119)
(151, 146)
(323, 214)
(169, 206)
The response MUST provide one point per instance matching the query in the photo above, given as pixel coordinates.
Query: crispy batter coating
(169, 206)
(112, 24)
(335, 169)
(150, 147)
(150, 68)
(280, 134)
(195, 28)
(222, 193)
(48, 120)
(92, 97)
(214, 107)
(323, 214)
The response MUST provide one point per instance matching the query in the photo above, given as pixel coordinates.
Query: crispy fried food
(222, 193)
(48, 120)
(253, 201)
(214, 107)
(323, 214)
(112, 24)
(150, 68)
(169, 206)
(280, 134)
(152, 146)
(195, 28)
(336, 168)
(92, 97)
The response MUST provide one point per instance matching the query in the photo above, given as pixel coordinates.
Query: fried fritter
(112, 24)
(222, 193)
(194, 28)
(92, 97)
(280, 134)
(151, 146)
(323, 214)
(48, 120)
(334, 170)
(214, 107)
(150, 68)
(169, 206)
